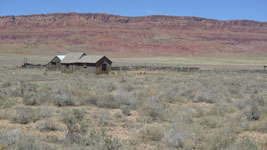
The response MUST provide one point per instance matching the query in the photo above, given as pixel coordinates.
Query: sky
(213, 9)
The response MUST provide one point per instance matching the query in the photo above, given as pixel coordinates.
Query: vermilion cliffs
(151, 35)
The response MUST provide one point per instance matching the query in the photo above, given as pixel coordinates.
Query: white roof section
(72, 57)
(61, 57)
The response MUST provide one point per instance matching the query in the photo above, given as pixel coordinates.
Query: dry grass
(132, 110)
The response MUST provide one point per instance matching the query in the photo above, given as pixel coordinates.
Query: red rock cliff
(53, 33)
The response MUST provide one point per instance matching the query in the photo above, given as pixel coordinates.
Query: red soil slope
(152, 35)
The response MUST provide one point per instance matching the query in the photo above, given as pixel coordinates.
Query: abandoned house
(55, 63)
(72, 62)
(68, 63)
(95, 64)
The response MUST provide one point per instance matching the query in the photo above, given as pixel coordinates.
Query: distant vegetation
(132, 110)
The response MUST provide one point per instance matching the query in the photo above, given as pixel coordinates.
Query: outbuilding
(55, 63)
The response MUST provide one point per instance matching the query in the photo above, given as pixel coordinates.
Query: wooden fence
(153, 68)
(28, 65)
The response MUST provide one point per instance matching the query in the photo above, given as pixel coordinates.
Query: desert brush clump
(25, 115)
(95, 140)
(154, 110)
(18, 140)
(75, 124)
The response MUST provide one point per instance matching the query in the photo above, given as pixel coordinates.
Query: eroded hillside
(151, 35)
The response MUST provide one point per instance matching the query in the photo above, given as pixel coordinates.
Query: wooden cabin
(94, 64)
(72, 62)
(55, 63)
(68, 64)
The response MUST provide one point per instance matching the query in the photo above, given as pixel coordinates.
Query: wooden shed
(55, 63)
(68, 64)
(98, 64)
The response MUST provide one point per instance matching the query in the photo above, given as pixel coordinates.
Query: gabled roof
(72, 57)
(57, 57)
(61, 57)
(91, 59)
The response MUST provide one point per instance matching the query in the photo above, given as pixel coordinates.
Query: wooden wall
(88, 67)
(99, 69)
(54, 64)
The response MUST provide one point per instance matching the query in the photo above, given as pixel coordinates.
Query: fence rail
(163, 68)
(28, 65)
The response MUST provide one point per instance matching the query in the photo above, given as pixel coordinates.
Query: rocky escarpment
(112, 33)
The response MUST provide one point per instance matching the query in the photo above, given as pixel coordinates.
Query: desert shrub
(128, 87)
(129, 123)
(16, 140)
(262, 126)
(64, 98)
(96, 140)
(118, 115)
(9, 138)
(103, 118)
(241, 103)
(252, 113)
(75, 124)
(2, 98)
(25, 115)
(170, 95)
(30, 99)
(127, 99)
(72, 117)
(205, 97)
(209, 90)
(121, 78)
(223, 107)
(27, 142)
(175, 137)
(211, 121)
(14, 90)
(6, 84)
(125, 110)
(245, 143)
(153, 110)
(27, 87)
(91, 99)
(152, 133)
(108, 101)
(221, 139)
(45, 111)
(50, 125)
(110, 87)
(61, 94)
(6, 100)
(257, 98)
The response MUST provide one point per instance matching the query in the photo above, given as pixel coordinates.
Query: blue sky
(215, 9)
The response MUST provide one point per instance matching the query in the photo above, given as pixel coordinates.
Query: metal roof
(72, 57)
(90, 59)
(61, 57)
